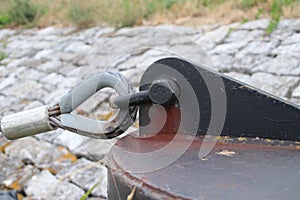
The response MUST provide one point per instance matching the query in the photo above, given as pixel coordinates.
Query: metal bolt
(163, 92)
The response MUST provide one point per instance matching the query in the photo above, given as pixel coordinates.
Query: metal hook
(46, 118)
(89, 127)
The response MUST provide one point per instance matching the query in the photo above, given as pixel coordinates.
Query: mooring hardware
(253, 151)
(60, 115)
(202, 135)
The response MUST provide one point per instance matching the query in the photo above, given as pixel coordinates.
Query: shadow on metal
(257, 157)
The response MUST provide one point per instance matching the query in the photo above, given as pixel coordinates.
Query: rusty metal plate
(235, 169)
(248, 111)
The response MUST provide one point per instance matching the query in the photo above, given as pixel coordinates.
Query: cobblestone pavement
(43, 65)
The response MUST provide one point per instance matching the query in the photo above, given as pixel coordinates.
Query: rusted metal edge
(121, 183)
(250, 112)
(241, 160)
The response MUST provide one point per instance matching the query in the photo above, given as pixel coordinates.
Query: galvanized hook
(89, 127)
(46, 118)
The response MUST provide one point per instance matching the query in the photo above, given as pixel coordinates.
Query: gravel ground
(43, 65)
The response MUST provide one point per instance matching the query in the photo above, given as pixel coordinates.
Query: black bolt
(162, 92)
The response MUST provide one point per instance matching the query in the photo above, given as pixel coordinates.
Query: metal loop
(63, 117)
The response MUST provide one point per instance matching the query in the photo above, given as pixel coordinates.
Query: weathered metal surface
(39, 120)
(249, 111)
(258, 156)
(93, 128)
(26, 123)
(235, 169)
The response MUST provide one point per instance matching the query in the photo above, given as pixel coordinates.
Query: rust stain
(2, 148)
(142, 145)
(20, 196)
(51, 170)
(67, 156)
(231, 148)
(15, 185)
(105, 116)
(61, 148)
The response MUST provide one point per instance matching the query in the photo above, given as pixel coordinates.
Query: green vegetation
(244, 20)
(121, 13)
(277, 12)
(23, 12)
(86, 195)
(154, 6)
(4, 20)
(259, 13)
(248, 3)
(211, 3)
(20, 12)
(2, 55)
(81, 14)
(4, 16)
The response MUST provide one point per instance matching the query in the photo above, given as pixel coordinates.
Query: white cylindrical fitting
(26, 123)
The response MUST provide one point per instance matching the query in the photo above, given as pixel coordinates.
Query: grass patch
(212, 3)
(244, 20)
(25, 12)
(276, 13)
(81, 13)
(86, 195)
(121, 13)
(20, 12)
(2, 55)
(4, 20)
(259, 13)
(157, 6)
(248, 3)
